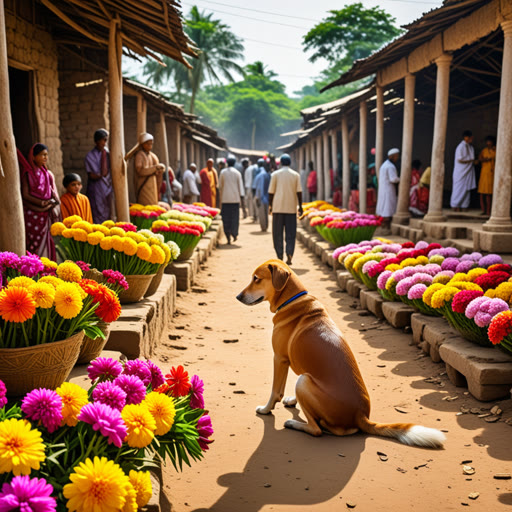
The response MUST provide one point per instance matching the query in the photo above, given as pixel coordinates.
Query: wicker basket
(91, 348)
(155, 282)
(138, 285)
(95, 275)
(43, 366)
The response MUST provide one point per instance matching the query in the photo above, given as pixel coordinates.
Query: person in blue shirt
(261, 194)
(258, 166)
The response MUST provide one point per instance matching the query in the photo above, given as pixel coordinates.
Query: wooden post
(345, 144)
(334, 153)
(363, 165)
(12, 223)
(117, 150)
(379, 130)
(327, 167)
(184, 156)
(162, 128)
(142, 114)
(319, 170)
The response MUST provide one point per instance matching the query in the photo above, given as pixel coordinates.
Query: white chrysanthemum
(175, 249)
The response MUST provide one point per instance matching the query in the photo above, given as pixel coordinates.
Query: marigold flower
(100, 228)
(21, 282)
(106, 243)
(69, 221)
(157, 255)
(21, 447)
(392, 267)
(17, 304)
(68, 300)
(95, 237)
(162, 409)
(141, 482)
(441, 297)
(178, 381)
(129, 246)
(144, 251)
(140, 425)
(117, 231)
(68, 233)
(131, 500)
(69, 271)
(109, 309)
(84, 225)
(109, 224)
(98, 485)
(427, 295)
(73, 399)
(500, 327)
(54, 281)
(465, 285)
(79, 235)
(57, 228)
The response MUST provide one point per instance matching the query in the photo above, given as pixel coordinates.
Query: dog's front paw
(290, 401)
(263, 409)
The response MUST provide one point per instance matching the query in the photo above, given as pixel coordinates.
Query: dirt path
(257, 465)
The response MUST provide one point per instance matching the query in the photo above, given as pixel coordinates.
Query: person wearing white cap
(190, 190)
(388, 178)
(149, 171)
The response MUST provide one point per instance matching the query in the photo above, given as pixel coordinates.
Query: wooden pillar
(363, 151)
(12, 223)
(379, 130)
(184, 155)
(319, 170)
(142, 114)
(116, 139)
(334, 152)
(162, 129)
(402, 214)
(346, 161)
(325, 158)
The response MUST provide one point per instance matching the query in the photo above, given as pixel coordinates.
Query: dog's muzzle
(248, 300)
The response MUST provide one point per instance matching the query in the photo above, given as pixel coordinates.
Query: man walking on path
(190, 190)
(231, 196)
(284, 195)
(463, 173)
(262, 183)
(388, 178)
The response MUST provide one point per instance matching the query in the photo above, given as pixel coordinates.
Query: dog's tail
(407, 433)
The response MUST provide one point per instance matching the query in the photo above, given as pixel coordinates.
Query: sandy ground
(257, 465)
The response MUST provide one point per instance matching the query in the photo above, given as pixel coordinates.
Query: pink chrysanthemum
(43, 405)
(157, 377)
(3, 393)
(27, 494)
(110, 394)
(196, 393)
(205, 431)
(104, 368)
(133, 387)
(106, 420)
(138, 368)
(416, 291)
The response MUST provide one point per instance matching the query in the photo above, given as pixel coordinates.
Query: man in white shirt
(464, 179)
(231, 190)
(386, 199)
(284, 196)
(248, 178)
(190, 190)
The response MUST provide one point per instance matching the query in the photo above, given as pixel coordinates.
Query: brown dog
(330, 389)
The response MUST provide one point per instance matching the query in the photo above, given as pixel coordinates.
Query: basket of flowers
(185, 234)
(144, 215)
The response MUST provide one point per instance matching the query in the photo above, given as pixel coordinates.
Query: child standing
(72, 202)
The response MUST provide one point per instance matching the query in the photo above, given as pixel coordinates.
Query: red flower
(463, 298)
(109, 308)
(500, 327)
(164, 388)
(500, 267)
(491, 280)
(89, 286)
(178, 381)
(407, 245)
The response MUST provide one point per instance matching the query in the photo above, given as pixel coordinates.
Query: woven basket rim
(53, 343)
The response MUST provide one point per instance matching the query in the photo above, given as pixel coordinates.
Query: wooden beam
(142, 114)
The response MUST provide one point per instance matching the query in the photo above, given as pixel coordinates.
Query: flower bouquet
(185, 234)
(187, 217)
(80, 451)
(197, 209)
(500, 330)
(143, 216)
(31, 265)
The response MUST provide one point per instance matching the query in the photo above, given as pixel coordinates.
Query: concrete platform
(397, 314)
(373, 302)
(342, 278)
(354, 288)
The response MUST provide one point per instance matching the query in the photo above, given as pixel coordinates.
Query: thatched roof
(147, 26)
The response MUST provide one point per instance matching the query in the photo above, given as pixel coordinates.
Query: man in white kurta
(388, 178)
(464, 180)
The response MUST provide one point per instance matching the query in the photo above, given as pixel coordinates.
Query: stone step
(464, 245)
(372, 301)
(397, 314)
(416, 223)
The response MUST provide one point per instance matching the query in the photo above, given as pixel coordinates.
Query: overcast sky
(273, 29)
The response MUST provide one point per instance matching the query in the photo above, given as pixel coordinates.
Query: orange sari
(76, 205)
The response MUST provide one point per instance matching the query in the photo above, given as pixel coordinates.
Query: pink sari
(41, 185)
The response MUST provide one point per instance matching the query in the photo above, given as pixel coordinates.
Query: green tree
(348, 34)
(259, 69)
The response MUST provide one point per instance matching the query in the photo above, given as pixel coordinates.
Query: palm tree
(257, 68)
(218, 50)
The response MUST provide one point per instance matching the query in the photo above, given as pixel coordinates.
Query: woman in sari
(209, 184)
(414, 198)
(40, 201)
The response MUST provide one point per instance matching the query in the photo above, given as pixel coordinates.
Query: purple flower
(109, 394)
(3, 393)
(490, 259)
(196, 393)
(474, 306)
(205, 430)
(465, 266)
(138, 368)
(133, 387)
(27, 494)
(450, 264)
(474, 256)
(383, 277)
(43, 405)
(416, 291)
(445, 252)
(104, 368)
(105, 419)
(157, 377)
(30, 265)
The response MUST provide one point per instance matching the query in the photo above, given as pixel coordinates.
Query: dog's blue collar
(295, 297)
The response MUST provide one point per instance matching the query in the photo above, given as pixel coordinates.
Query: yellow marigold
(131, 500)
(158, 224)
(477, 272)
(503, 291)
(109, 224)
(68, 233)
(21, 447)
(95, 237)
(390, 283)
(106, 243)
(44, 294)
(101, 228)
(79, 235)
(54, 281)
(409, 262)
(57, 228)
(441, 297)
(98, 485)
(441, 278)
(351, 259)
(460, 276)
(129, 246)
(69, 221)
(140, 425)
(49, 263)
(136, 207)
(117, 243)
(422, 260)
(117, 231)
(73, 398)
(136, 237)
(465, 285)
(168, 254)
(162, 409)
(392, 267)
(491, 293)
(144, 251)
(21, 282)
(157, 255)
(358, 264)
(69, 271)
(68, 300)
(427, 294)
(82, 224)
(141, 482)
(156, 239)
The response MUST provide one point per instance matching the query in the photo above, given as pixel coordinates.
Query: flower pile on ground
(110, 247)
(144, 215)
(77, 450)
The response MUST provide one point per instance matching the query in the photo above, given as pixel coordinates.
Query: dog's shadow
(290, 468)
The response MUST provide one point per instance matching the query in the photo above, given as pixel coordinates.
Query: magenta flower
(30, 265)
(43, 405)
(487, 310)
(104, 368)
(474, 306)
(445, 252)
(115, 277)
(9, 260)
(383, 277)
(106, 420)
(450, 264)
(157, 377)
(3, 393)
(416, 291)
(109, 394)
(138, 368)
(84, 267)
(133, 387)
(196, 393)
(205, 430)
(27, 494)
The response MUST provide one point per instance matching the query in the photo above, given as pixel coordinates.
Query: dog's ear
(280, 276)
